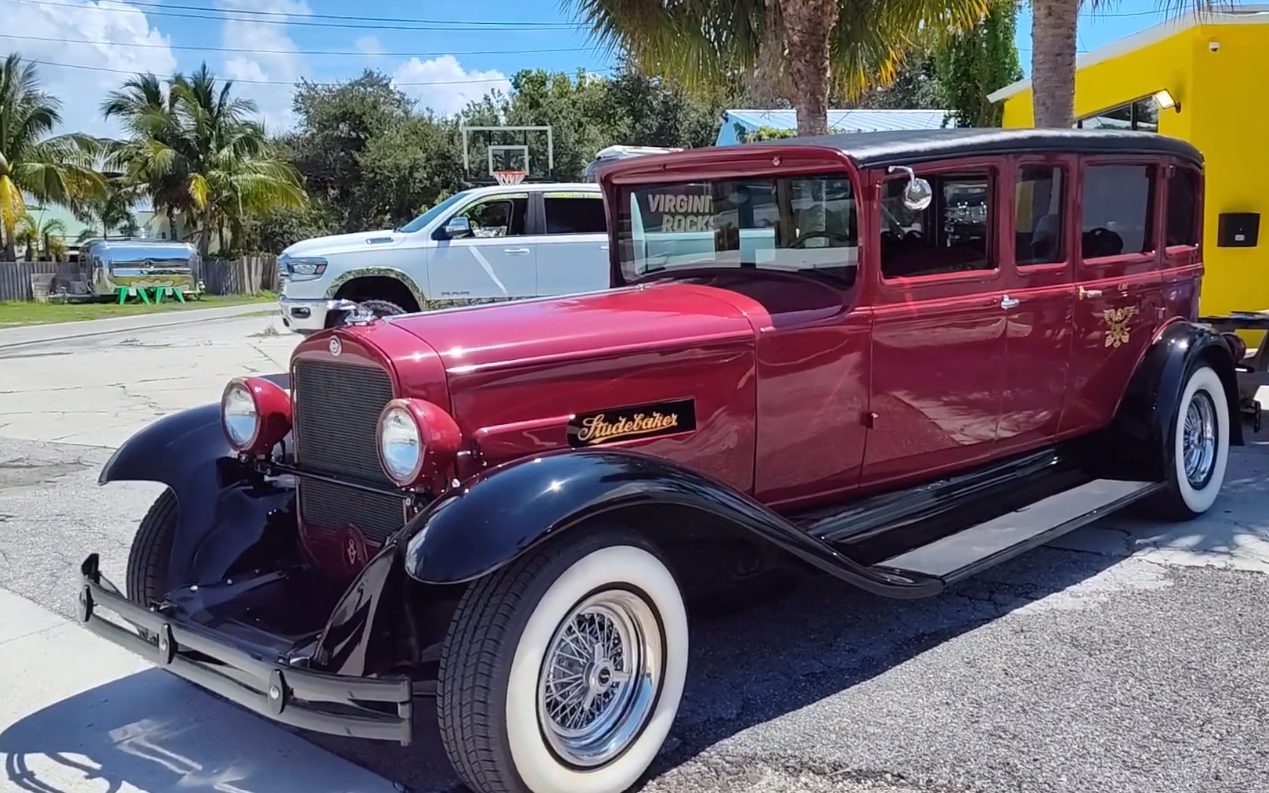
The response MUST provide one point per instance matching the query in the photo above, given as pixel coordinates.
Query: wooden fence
(249, 275)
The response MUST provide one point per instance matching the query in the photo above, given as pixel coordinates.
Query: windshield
(789, 224)
(427, 217)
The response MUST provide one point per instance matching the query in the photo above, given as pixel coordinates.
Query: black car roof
(900, 147)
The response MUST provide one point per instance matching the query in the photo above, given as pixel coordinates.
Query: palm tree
(109, 211)
(40, 238)
(193, 149)
(1053, 44)
(56, 170)
(808, 46)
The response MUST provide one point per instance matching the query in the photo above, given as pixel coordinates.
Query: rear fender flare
(499, 514)
(1144, 415)
(224, 507)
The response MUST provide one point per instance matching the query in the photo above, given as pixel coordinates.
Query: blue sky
(86, 47)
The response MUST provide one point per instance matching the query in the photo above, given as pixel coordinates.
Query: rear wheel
(1199, 450)
(564, 671)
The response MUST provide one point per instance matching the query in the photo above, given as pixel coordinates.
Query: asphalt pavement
(1129, 656)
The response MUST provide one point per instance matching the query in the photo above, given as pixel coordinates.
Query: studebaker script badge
(630, 423)
(1117, 328)
(335, 347)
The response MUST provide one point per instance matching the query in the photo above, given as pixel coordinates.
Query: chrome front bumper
(309, 315)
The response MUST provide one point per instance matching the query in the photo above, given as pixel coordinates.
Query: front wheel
(564, 670)
(1199, 449)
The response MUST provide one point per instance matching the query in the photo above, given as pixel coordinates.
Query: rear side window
(1038, 216)
(1118, 215)
(574, 214)
(1183, 225)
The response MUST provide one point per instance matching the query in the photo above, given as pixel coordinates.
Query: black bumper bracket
(354, 707)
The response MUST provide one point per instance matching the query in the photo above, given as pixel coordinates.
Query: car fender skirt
(499, 514)
(225, 510)
(1144, 418)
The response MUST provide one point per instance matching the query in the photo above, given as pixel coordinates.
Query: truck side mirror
(457, 226)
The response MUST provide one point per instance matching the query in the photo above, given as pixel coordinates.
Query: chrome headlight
(400, 445)
(239, 415)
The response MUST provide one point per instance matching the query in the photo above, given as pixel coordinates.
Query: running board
(970, 551)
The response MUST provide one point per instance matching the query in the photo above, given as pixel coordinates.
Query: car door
(497, 259)
(1040, 323)
(572, 254)
(1118, 298)
(938, 339)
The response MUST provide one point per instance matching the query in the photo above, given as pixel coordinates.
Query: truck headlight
(304, 268)
(255, 414)
(417, 440)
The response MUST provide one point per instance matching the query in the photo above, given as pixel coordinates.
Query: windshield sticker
(632, 423)
(679, 210)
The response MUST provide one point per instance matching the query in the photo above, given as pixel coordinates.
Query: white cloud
(123, 40)
(370, 45)
(269, 73)
(443, 85)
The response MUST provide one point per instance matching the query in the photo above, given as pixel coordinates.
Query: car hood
(341, 243)
(587, 325)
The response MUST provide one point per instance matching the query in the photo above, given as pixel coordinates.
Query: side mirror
(457, 226)
(918, 194)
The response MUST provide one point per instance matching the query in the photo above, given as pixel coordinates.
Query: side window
(574, 214)
(1183, 190)
(951, 235)
(498, 216)
(1118, 213)
(1038, 216)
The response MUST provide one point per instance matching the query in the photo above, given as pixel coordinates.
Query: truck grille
(336, 410)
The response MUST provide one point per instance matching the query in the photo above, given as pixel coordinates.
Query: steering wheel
(842, 238)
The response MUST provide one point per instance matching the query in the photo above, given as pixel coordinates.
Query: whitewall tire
(564, 671)
(1199, 449)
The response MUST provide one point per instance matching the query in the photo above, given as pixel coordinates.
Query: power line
(256, 50)
(131, 73)
(158, 10)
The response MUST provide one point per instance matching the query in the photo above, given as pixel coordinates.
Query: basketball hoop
(509, 177)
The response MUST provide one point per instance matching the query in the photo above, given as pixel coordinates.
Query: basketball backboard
(487, 150)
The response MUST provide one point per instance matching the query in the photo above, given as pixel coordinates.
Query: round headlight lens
(400, 446)
(241, 419)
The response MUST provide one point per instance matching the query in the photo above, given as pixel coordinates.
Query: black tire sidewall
(150, 557)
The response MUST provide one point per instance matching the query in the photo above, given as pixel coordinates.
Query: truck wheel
(382, 308)
(151, 551)
(564, 670)
(1199, 450)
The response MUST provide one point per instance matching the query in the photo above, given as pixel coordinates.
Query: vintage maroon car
(898, 358)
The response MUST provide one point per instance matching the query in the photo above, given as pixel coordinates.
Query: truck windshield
(427, 217)
(789, 224)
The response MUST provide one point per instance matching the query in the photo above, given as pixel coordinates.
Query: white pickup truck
(491, 243)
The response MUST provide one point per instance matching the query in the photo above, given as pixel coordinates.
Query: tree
(1054, 24)
(976, 62)
(40, 239)
(108, 211)
(822, 44)
(193, 147)
(55, 170)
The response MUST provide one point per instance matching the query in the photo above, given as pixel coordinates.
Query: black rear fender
(226, 510)
(1143, 430)
(501, 513)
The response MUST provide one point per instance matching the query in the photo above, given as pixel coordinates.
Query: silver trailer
(106, 266)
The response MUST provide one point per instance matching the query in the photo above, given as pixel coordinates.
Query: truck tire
(594, 620)
(382, 308)
(151, 552)
(1198, 450)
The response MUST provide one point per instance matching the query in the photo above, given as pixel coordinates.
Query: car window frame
(1068, 165)
(1173, 168)
(1121, 260)
(439, 235)
(986, 282)
(596, 195)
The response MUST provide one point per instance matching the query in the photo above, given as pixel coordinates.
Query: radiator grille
(336, 410)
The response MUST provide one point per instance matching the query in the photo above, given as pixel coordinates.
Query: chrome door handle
(1087, 293)
(1008, 302)
(515, 251)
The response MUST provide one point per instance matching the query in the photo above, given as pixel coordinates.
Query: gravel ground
(1132, 658)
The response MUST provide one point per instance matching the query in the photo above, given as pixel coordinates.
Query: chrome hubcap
(600, 678)
(1198, 440)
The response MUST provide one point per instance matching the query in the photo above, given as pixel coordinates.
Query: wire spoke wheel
(600, 678)
(1199, 439)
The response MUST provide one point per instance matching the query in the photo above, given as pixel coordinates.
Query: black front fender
(1144, 419)
(502, 512)
(224, 507)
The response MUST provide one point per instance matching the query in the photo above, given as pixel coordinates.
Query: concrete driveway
(1130, 657)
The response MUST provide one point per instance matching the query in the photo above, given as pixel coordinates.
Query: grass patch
(13, 315)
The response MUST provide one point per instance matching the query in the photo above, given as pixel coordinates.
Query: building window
(1183, 189)
(1118, 210)
(1038, 216)
(1141, 115)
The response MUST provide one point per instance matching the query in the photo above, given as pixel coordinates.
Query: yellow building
(1201, 79)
